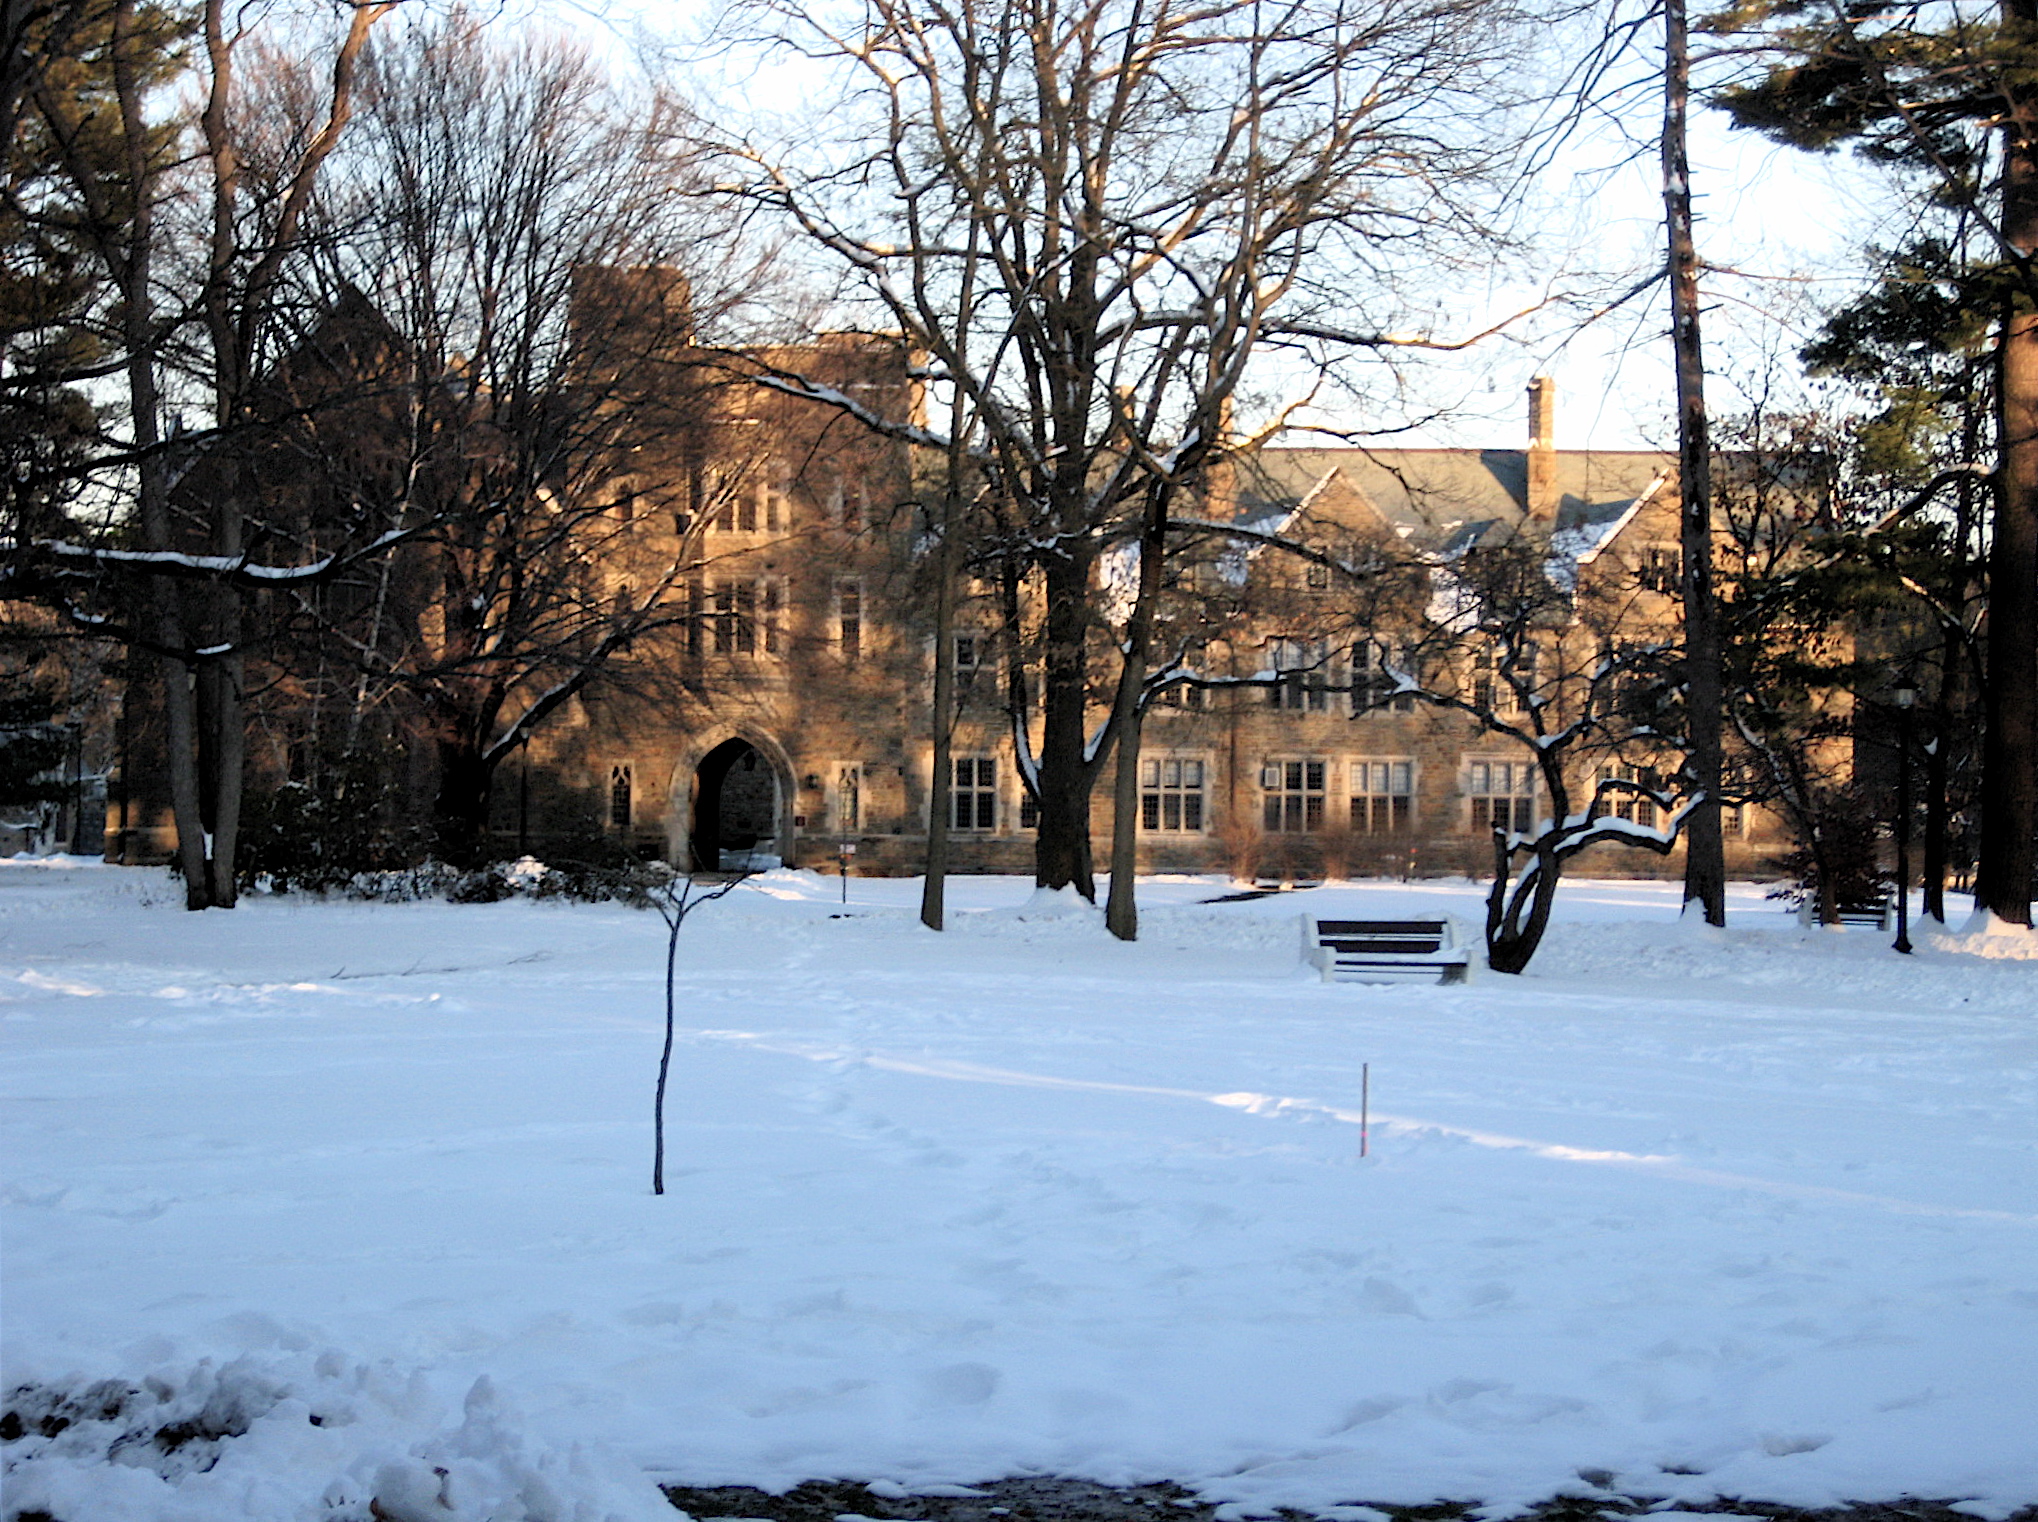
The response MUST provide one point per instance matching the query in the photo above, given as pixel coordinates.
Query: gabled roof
(1453, 497)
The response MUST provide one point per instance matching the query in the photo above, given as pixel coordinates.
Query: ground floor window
(1503, 795)
(1171, 794)
(1383, 796)
(1294, 791)
(973, 795)
(619, 795)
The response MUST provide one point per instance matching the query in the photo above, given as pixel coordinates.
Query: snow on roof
(1444, 494)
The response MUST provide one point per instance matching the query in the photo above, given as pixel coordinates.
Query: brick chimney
(1542, 451)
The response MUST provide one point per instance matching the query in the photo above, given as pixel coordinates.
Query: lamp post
(1906, 696)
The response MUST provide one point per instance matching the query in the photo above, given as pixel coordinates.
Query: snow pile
(330, 1210)
(251, 1439)
(1984, 935)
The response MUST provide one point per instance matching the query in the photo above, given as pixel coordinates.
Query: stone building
(778, 706)
(793, 718)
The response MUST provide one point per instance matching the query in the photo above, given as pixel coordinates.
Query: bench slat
(1382, 946)
(1385, 950)
(1379, 927)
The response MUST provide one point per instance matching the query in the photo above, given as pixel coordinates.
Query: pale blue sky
(1791, 225)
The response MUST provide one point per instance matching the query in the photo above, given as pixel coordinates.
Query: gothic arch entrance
(736, 807)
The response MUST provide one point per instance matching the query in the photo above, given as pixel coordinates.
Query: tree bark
(933, 889)
(1952, 704)
(2009, 762)
(1946, 705)
(1705, 873)
(133, 266)
(1062, 850)
(1121, 910)
(1511, 941)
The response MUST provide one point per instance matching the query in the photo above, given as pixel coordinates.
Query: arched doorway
(735, 808)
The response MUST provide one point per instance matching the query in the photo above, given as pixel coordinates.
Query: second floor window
(1376, 679)
(1303, 666)
(1294, 793)
(849, 618)
(771, 615)
(1501, 674)
(697, 617)
(734, 620)
(735, 505)
(1661, 569)
(846, 503)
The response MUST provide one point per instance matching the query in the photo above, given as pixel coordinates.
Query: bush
(340, 839)
(301, 839)
(1837, 859)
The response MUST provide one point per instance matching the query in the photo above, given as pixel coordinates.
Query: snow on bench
(1876, 914)
(1385, 951)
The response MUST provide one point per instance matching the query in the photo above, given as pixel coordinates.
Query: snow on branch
(239, 570)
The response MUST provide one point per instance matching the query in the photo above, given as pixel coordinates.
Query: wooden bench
(1385, 951)
(1878, 914)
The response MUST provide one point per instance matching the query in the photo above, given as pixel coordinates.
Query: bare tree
(181, 325)
(520, 226)
(1571, 675)
(1705, 870)
(674, 898)
(1108, 226)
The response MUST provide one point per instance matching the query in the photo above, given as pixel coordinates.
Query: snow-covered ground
(307, 1201)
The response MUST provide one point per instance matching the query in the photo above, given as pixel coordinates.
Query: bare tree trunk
(933, 890)
(1947, 704)
(1121, 911)
(2009, 762)
(1121, 908)
(1516, 920)
(1951, 704)
(229, 726)
(1705, 873)
(1062, 850)
(138, 336)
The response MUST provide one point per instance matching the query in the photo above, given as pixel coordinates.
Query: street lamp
(1906, 697)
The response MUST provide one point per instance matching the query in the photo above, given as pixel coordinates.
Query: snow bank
(281, 1436)
(1985, 935)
